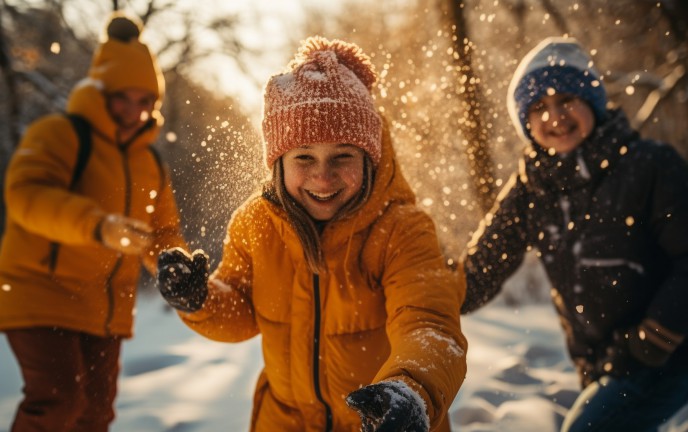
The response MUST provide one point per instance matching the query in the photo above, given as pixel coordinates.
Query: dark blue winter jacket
(609, 221)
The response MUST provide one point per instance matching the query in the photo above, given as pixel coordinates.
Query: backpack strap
(83, 132)
(82, 128)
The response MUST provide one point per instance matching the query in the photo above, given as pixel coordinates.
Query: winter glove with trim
(183, 278)
(389, 406)
(647, 345)
(654, 343)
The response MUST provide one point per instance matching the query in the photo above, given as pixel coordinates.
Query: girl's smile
(323, 177)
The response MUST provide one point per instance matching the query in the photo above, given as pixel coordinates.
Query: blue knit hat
(555, 63)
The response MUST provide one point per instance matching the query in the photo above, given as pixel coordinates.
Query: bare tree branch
(45, 87)
(558, 18)
(668, 84)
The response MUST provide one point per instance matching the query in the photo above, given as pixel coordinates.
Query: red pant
(70, 379)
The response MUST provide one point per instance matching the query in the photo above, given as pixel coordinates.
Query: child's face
(130, 108)
(322, 177)
(560, 121)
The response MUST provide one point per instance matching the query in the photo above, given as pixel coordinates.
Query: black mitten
(389, 406)
(183, 278)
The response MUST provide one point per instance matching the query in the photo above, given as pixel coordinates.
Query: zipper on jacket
(316, 352)
(109, 289)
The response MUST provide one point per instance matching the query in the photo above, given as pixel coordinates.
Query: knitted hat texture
(123, 61)
(324, 96)
(555, 63)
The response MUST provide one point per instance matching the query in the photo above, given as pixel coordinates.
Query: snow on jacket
(83, 286)
(387, 308)
(610, 224)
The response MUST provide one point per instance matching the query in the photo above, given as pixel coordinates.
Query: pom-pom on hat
(123, 61)
(324, 96)
(555, 63)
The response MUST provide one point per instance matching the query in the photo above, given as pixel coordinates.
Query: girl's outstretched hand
(183, 278)
(389, 406)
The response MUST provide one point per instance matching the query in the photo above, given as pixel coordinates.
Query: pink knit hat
(323, 97)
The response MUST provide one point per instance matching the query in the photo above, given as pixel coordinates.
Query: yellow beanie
(123, 61)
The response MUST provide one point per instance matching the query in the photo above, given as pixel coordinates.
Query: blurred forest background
(444, 69)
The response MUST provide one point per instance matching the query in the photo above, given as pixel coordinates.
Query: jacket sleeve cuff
(654, 343)
(420, 391)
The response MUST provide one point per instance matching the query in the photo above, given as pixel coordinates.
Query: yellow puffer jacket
(387, 308)
(82, 286)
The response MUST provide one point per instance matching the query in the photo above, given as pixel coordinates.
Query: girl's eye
(303, 157)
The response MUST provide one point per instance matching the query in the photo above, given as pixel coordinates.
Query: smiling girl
(333, 265)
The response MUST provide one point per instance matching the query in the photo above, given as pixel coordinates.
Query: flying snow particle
(55, 48)
(125, 241)
(580, 309)
(6, 287)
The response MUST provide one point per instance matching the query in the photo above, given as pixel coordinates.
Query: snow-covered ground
(519, 377)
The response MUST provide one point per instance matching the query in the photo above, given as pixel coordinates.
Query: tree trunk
(472, 123)
(10, 82)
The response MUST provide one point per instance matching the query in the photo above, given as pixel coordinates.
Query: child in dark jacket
(607, 213)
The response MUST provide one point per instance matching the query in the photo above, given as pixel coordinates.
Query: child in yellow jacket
(85, 207)
(333, 264)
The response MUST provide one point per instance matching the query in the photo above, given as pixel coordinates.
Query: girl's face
(560, 121)
(322, 177)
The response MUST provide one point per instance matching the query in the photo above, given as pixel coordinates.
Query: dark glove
(183, 278)
(389, 406)
(654, 344)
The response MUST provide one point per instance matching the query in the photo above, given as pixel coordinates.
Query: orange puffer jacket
(82, 285)
(387, 309)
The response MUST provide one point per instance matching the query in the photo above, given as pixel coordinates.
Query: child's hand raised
(183, 278)
(389, 406)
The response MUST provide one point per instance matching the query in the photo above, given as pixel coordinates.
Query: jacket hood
(88, 101)
(389, 188)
